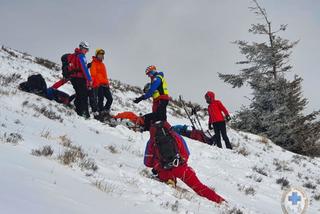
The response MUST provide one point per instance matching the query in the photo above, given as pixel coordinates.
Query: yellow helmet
(100, 51)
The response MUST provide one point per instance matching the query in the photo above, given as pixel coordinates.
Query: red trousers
(189, 177)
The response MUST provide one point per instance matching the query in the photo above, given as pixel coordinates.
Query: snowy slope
(246, 176)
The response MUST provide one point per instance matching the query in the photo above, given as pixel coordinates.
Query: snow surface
(32, 184)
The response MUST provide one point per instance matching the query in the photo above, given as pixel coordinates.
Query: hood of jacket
(211, 96)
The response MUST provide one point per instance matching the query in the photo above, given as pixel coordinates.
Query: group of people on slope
(166, 151)
(89, 80)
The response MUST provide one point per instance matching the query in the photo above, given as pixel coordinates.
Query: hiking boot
(85, 115)
(171, 182)
(96, 115)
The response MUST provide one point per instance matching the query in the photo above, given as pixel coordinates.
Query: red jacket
(151, 158)
(215, 109)
(79, 63)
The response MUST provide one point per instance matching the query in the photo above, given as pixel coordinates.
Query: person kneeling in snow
(167, 153)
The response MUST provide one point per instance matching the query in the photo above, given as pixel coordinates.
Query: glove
(228, 118)
(89, 85)
(154, 171)
(138, 100)
(210, 126)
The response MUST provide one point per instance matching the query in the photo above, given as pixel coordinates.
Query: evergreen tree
(276, 109)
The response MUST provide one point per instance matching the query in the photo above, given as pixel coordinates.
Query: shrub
(13, 138)
(261, 171)
(243, 151)
(283, 181)
(264, 140)
(113, 149)
(45, 151)
(44, 110)
(72, 155)
(256, 178)
(234, 210)
(45, 133)
(248, 190)
(10, 52)
(281, 165)
(104, 186)
(47, 63)
(65, 141)
(168, 205)
(49, 113)
(89, 164)
(310, 185)
(9, 79)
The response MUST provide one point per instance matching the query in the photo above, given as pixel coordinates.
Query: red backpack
(70, 64)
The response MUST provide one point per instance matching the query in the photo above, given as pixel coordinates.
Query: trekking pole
(193, 123)
(210, 135)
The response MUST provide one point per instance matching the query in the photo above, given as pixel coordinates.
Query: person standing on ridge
(217, 120)
(160, 94)
(101, 84)
(80, 78)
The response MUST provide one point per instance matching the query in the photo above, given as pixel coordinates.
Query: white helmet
(84, 44)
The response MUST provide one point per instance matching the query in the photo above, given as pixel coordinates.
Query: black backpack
(35, 84)
(65, 65)
(167, 147)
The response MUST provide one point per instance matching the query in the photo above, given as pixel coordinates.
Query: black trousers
(81, 100)
(93, 94)
(220, 130)
(160, 114)
(104, 92)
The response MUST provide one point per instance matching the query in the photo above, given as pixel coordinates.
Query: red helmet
(150, 68)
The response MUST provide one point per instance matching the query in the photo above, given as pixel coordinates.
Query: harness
(162, 89)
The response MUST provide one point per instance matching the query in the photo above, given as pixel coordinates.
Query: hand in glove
(154, 171)
(210, 126)
(89, 84)
(228, 118)
(138, 100)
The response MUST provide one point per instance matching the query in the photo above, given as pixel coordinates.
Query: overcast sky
(190, 40)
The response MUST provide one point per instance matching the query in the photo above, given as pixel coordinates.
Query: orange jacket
(130, 116)
(98, 73)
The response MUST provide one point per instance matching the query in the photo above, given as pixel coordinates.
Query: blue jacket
(83, 62)
(156, 82)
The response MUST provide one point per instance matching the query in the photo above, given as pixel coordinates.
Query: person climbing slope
(167, 154)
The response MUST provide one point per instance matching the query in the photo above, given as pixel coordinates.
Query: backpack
(167, 147)
(69, 64)
(35, 84)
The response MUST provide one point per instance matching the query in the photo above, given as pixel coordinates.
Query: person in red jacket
(216, 119)
(80, 78)
(178, 168)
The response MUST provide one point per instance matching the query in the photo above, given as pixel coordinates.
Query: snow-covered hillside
(95, 168)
